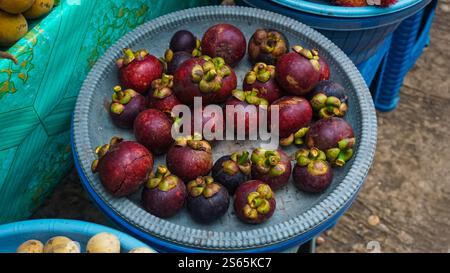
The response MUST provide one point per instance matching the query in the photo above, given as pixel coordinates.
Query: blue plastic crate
(408, 43)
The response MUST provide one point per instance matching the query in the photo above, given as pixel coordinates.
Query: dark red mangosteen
(207, 201)
(211, 122)
(262, 78)
(126, 106)
(295, 114)
(254, 202)
(335, 137)
(173, 61)
(204, 77)
(185, 41)
(225, 41)
(137, 70)
(232, 170)
(164, 194)
(329, 99)
(245, 99)
(324, 69)
(267, 45)
(162, 97)
(153, 129)
(298, 72)
(312, 173)
(190, 158)
(271, 167)
(123, 166)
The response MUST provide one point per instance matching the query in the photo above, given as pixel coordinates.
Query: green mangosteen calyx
(340, 155)
(162, 179)
(311, 55)
(120, 98)
(194, 142)
(130, 56)
(101, 151)
(327, 107)
(314, 160)
(258, 202)
(210, 75)
(239, 162)
(268, 162)
(203, 186)
(298, 138)
(162, 88)
(251, 97)
(261, 72)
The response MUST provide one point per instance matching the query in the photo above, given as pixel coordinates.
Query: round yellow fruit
(12, 28)
(39, 9)
(31, 246)
(61, 244)
(15, 6)
(103, 243)
(141, 250)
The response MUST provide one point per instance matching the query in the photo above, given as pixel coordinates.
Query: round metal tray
(298, 215)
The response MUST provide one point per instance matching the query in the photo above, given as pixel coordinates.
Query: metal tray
(297, 214)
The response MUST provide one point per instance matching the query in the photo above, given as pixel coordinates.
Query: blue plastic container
(359, 32)
(13, 235)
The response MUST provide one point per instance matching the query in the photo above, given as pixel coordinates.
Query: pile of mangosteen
(296, 80)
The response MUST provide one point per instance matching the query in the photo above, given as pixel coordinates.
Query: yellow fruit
(39, 8)
(15, 6)
(61, 244)
(31, 246)
(12, 28)
(103, 243)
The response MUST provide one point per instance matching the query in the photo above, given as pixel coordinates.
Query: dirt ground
(405, 203)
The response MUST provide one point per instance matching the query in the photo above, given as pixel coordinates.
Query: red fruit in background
(215, 120)
(207, 201)
(225, 41)
(312, 173)
(351, 3)
(335, 137)
(388, 3)
(125, 107)
(122, 166)
(183, 40)
(204, 77)
(299, 72)
(246, 99)
(254, 202)
(324, 69)
(164, 194)
(271, 167)
(189, 159)
(137, 70)
(266, 46)
(295, 113)
(162, 97)
(153, 129)
(262, 78)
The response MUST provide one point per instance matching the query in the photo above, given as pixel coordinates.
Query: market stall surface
(404, 205)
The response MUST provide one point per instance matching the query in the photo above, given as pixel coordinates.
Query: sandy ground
(405, 203)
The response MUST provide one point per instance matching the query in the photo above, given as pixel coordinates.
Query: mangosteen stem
(258, 202)
(268, 162)
(203, 186)
(327, 107)
(340, 155)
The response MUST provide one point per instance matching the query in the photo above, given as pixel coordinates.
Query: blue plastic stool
(408, 43)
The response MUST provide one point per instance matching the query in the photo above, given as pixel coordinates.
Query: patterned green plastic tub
(37, 96)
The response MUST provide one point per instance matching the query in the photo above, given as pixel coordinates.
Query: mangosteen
(190, 158)
(164, 194)
(254, 202)
(335, 137)
(312, 173)
(262, 78)
(225, 41)
(299, 72)
(204, 77)
(213, 121)
(324, 69)
(207, 201)
(173, 60)
(137, 70)
(329, 99)
(123, 166)
(295, 114)
(232, 170)
(153, 129)
(267, 45)
(245, 99)
(184, 41)
(162, 97)
(271, 167)
(126, 106)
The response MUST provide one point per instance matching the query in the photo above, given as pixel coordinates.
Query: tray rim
(288, 230)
